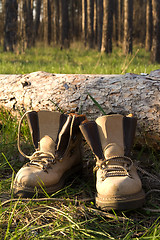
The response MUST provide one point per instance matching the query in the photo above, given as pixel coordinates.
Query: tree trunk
(100, 23)
(120, 22)
(107, 26)
(148, 40)
(26, 39)
(90, 18)
(37, 17)
(84, 21)
(10, 27)
(56, 21)
(72, 16)
(64, 24)
(28, 22)
(78, 27)
(148, 37)
(2, 21)
(95, 24)
(155, 50)
(47, 21)
(115, 20)
(75, 23)
(21, 32)
(139, 21)
(128, 15)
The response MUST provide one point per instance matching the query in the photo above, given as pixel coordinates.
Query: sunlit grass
(77, 60)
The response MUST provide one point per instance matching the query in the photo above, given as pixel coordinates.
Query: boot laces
(42, 159)
(112, 170)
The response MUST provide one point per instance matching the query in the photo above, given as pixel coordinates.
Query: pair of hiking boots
(57, 139)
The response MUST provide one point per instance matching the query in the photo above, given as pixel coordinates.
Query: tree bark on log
(124, 94)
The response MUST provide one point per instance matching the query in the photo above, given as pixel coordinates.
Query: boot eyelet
(103, 166)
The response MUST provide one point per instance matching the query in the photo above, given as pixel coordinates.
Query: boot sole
(27, 192)
(121, 203)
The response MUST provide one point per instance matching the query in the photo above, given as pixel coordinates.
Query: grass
(76, 60)
(71, 218)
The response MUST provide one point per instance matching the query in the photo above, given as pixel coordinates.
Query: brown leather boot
(118, 184)
(57, 140)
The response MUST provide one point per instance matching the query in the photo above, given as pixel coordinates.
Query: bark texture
(123, 94)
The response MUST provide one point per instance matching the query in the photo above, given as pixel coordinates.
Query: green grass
(70, 219)
(76, 60)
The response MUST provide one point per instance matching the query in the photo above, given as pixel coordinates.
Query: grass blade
(97, 104)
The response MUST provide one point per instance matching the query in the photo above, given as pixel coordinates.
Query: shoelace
(111, 170)
(42, 159)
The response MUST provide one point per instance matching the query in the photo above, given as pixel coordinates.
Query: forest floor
(72, 214)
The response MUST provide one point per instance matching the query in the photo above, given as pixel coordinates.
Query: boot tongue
(47, 144)
(113, 150)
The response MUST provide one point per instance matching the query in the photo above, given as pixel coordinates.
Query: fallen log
(129, 93)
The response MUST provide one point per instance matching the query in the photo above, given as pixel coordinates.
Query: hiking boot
(118, 185)
(57, 140)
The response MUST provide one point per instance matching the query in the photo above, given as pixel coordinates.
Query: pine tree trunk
(10, 27)
(28, 22)
(155, 50)
(72, 20)
(95, 24)
(90, 18)
(47, 21)
(37, 17)
(84, 21)
(139, 21)
(64, 24)
(128, 15)
(100, 23)
(148, 40)
(21, 32)
(78, 27)
(2, 20)
(115, 20)
(56, 21)
(107, 26)
(120, 22)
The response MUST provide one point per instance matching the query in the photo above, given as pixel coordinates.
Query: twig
(152, 210)
(106, 214)
(148, 174)
(45, 199)
(151, 191)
